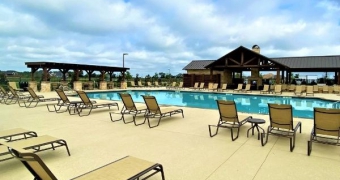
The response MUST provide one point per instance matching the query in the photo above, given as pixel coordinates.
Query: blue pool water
(255, 104)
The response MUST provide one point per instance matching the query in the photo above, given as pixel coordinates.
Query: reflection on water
(302, 107)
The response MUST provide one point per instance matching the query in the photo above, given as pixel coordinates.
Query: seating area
(176, 137)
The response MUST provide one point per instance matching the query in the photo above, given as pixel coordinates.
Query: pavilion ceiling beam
(249, 61)
(233, 60)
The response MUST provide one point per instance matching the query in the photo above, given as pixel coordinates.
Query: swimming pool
(254, 104)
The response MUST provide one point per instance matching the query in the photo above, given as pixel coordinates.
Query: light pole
(169, 76)
(123, 57)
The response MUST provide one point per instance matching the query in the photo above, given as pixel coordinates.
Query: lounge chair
(16, 97)
(12, 134)
(324, 89)
(133, 84)
(291, 87)
(246, 89)
(265, 89)
(125, 168)
(140, 84)
(316, 88)
(201, 87)
(195, 86)
(239, 88)
(284, 87)
(278, 89)
(326, 128)
(35, 144)
(214, 87)
(14, 86)
(88, 104)
(224, 87)
(172, 85)
(180, 85)
(336, 89)
(35, 98)
(155, 111)
(148, 84)
(156, 84)
(228, 118)
(309, 91)
(281, 124)
(4, 95)
(129, 108)
(298, 90)
(64, 102)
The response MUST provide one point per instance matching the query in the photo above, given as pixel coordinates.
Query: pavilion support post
(338, 82)
(102, 83)
(210, 85)
(89, 73)
(77, 85)
(33, 84)
(286, 78)
(45, 85)
(278, 76)
(283, 77)
(123, 83)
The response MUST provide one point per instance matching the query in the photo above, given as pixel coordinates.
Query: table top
(257, 121)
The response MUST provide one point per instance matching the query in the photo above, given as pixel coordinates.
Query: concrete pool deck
(182, 145)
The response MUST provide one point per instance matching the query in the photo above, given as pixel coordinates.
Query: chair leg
(232, 133)
(159, 120)
(265, 135)
(134, 120)
(212, 135)
(309, 147)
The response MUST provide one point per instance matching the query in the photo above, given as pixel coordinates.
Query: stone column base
(102, 85)
(33, 85)
(77, 85)
(45, 86)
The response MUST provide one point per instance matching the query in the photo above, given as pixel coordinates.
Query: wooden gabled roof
(198, 64)
(244, 59)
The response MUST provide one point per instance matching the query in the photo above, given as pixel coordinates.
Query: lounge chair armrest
(298, 125)
(246, 120)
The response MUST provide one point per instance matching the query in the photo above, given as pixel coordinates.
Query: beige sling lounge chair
(195, 86)
(247, 88)
(228, 118)
(16, 97)
(326, 129)
(239, 88)
(265, 89)
(127, 168)
(35, 98)
(155, 111)
(309, 91)
(133, 84)
(64, 102)
(298, 90)
(281, 124)
(88, 104)
(277, 89)
(12, 134)
(129, 108)
(224, 87)
(14, 86)
(35, 144)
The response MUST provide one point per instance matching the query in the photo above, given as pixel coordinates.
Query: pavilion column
(210, 84)
(338, 77)
(278, 76)
(45, 85)
(77, 85)
(123, 83)
(33, 84)
(102, 83)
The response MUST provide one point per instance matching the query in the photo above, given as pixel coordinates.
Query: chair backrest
(127, 101)
(292, 87)
(336, 88)
(62, 95)
(327, 121)
(281, 116)
(151, 104)
(298, 89)
(13, 85)
(180, 84)
(224, 86)
(239, 86)
(156, 83)
(202, 85)
(132, 83)
(247, 87)
(32, 93)
(140, 83)
(228, 111)
(196, 85)
(83, 96)
(148, 83)
(266, 87)
(325, 88)
(173, 84)
(309, 89)
(215, 86)
(278, 88)
(14, 93)
(316, 88)
(33, 163)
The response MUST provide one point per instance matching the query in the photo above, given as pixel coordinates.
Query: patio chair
(309, 91)
(284, 87)
(35, 98)
(239, 88)
(133, 84)
(180, 85)
(291, 87)
(88, 104)
(156, 84)
(336, 89)
(228, 118)
(14, 86)
(128, 167)
(224, 87)
(195, 86)
(278, 89)
(172, 85)
(148, 84)
(34, 144)
(281, 124)
(140, 84)
(246, 89)
(4, 95)
(324, 89)
(316, 88)
(12, 134)
(64, 102)
(214, 87)
(16, 97)
(201, 87)
(265, 89)
(298, 90)
(129, 108)
(326, 129)
(153, 110)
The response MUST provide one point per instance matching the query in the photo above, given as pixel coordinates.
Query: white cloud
(162, 35)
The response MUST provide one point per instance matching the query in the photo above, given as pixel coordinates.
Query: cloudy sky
(162, 34)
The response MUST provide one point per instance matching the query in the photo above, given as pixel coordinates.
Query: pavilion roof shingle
(198, 64)
(310, 62)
